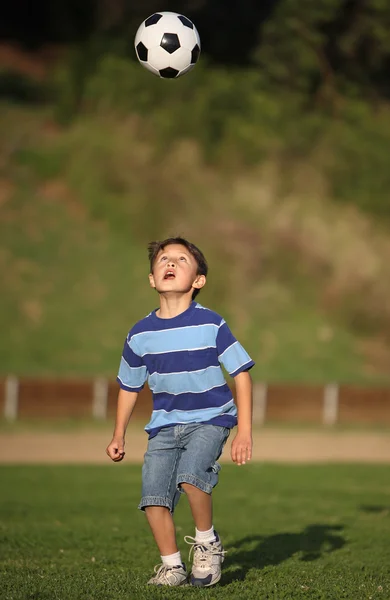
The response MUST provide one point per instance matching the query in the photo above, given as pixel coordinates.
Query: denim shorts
(181, 454)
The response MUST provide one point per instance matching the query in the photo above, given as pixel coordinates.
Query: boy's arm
(241, 449)
(125, 407)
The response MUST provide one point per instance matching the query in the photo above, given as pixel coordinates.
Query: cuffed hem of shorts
(155, 501)
(191, 479)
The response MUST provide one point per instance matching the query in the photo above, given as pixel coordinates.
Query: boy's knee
(191, 490)
(156, 509)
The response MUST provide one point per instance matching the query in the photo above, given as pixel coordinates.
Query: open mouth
(169, 275)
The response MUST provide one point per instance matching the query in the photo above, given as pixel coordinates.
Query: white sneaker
(207, 561)
(166, 575)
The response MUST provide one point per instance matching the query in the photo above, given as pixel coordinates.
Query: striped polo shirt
(181, 359)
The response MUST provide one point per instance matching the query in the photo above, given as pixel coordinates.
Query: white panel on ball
(158, 58)
(151, 36)
(188, 38)
(181, 59)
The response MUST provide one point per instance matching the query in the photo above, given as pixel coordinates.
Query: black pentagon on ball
(170, 42)
(195, 54)
(168, 73)
(142, 52)
(153, 19)
(186, 21)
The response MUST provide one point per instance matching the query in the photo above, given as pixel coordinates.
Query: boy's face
(175, 270)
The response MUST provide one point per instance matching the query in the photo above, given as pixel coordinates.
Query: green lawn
(74, 533)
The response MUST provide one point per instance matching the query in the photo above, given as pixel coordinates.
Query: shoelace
(206, 549)
(161, 572)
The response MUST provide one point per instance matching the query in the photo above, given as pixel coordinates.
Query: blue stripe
(187, 382)
(225, 338)
(162, 418)
(173, 340)
(205, 315)
(132, 359)
(177, 362)
(235, 358)
(133, 377)
(222, 421)
(245, 367)
(216, 397)
(128, 388)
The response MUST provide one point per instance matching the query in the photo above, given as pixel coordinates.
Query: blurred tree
(229, 27)
(33, 24)
(358, 44)
(320, 49)
(328, 47)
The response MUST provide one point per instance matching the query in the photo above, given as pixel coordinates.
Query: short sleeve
(231, 354)
(132, 371)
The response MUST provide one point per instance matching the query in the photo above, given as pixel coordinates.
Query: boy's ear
(199, 282)
(151, 280)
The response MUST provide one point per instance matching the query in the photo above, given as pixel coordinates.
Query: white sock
(205, 536)
(172, 560)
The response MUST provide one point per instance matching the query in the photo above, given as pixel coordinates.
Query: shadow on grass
(375, 509)
(256, 551)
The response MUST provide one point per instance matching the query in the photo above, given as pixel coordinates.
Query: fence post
(259, 403)
(331, 404)
(11, 398)
(100, 398)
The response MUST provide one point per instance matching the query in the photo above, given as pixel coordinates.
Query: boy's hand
(241, 449)
(115, 449)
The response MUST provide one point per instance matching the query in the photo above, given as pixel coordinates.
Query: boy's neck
(172, 306)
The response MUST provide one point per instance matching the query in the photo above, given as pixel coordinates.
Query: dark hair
(155, 247)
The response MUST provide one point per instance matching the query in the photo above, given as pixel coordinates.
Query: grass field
(74, 533)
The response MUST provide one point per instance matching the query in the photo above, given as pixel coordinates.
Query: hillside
(304, 282)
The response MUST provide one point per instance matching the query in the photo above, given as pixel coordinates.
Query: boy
(179, 348)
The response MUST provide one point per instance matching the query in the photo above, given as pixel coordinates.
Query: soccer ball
(167, 44)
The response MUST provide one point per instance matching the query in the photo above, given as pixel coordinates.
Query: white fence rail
(96, 398)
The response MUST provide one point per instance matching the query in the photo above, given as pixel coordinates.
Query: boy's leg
(159, 497)
(197, 476)
(201, 506)
(163, 528)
